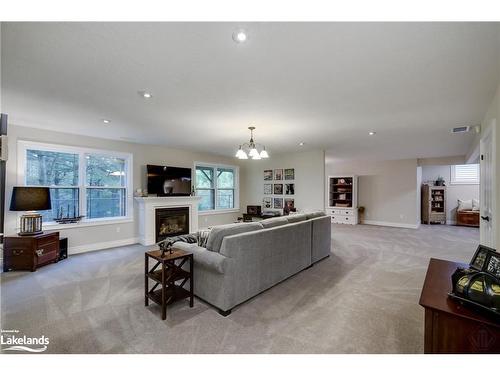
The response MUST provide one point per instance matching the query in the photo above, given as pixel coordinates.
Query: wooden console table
(451, 327)
(169, 278)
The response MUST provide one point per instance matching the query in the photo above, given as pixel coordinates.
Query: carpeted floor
(363, 299)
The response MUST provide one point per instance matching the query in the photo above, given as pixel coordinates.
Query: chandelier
(250, 149)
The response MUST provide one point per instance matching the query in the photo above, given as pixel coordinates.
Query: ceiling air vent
(461, 129)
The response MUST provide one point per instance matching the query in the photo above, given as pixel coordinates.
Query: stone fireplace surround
(147, 219)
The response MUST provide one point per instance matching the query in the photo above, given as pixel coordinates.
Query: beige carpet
(363, 299)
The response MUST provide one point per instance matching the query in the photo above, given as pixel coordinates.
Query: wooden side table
(169, 278)
(451, 327)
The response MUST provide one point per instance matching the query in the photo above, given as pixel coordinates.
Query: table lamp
(30, 199)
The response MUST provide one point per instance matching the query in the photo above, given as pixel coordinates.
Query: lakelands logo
(12, 340)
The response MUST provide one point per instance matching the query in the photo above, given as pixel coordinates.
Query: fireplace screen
(171, 222)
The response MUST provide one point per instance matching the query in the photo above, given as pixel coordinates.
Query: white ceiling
(326, 84)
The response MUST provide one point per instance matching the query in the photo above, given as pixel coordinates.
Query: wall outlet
(205, 219)
(118, 229)
(401, 216)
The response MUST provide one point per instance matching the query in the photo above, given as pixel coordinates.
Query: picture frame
(278, 174)
(267, 202)
(289, 173)
(278, 203)
(487, 260)
(268, 189)
(289, 189)
(268, 174)
(289, 204)
(278, 189)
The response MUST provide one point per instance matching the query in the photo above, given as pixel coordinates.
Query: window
(217, 187)
(94, 184)
(465, 174)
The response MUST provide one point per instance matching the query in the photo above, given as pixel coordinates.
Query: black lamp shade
(30, 199)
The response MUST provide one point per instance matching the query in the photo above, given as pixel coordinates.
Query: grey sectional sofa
(241, 260)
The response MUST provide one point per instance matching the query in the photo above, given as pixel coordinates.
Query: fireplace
(171, 221)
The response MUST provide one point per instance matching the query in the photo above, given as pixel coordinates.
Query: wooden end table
(169, 278)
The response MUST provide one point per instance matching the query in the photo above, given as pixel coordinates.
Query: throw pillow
(202, 236)
(464, 205)
(475, 205)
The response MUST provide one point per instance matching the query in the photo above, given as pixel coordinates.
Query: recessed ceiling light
(372, 133)
(240, 36)
(106, 121)
(145, 94)
(301, 144)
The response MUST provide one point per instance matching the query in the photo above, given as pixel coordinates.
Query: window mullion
(81, 184)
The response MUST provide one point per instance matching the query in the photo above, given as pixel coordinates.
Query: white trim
(451, 222)
(389, 224)
(23, 146)
(218, 212)
(89, 223)
(102, 245)
(236, 188)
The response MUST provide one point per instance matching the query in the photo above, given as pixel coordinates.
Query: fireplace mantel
(148, 205)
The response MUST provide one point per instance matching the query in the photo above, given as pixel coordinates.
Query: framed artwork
(267, 202)
(289, 189)
(268, 189)
(278, 174)
(289, 174)
(289, 204)
(278, 203)
(268, 174)
(278, 189)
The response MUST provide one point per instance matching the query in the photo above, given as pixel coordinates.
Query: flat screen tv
(169, 181)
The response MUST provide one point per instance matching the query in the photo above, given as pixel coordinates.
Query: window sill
(218, 212)
(88, 223)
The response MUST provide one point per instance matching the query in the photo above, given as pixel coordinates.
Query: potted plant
(439, 181)
(361, 211)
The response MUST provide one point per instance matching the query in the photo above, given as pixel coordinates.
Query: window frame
(23, 146)
(453, 177)
(236, 188)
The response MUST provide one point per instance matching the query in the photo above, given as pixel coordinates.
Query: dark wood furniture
(169, 278)
(451, 327)
(30, 252)
(468, 218)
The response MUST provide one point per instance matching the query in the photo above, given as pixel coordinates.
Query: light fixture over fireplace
(252, 149)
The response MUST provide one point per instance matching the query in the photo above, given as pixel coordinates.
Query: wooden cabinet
(343, 199)
(30, 252)
(433, 204)
(451, 327)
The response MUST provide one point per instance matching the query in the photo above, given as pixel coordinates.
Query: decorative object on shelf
(278, 203)
(141, 192)
(267, 202)
(479, 285)
(167, 243)
(268, 189)
(278, 174)
(68, 220)
(251, 149)
(268, 174)
(30, 199)
(439, 181)
(289, 174)
(278, 189)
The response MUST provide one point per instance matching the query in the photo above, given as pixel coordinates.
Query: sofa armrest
(204, 258)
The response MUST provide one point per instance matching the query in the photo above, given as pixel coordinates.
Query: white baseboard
(389, 224)
(451, 222)
(101, 245)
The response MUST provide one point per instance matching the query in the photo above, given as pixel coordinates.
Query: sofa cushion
(274, 222)
(218, 233)
(312, 215)
(203, 258)
(295, 218)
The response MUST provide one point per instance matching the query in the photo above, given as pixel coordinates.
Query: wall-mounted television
(169, 181)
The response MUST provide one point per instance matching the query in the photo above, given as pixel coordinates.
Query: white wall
(95, 237)
(309, 179)
(387, 189)
(453, 192)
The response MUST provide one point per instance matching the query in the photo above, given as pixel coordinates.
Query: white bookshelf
(342, 205)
